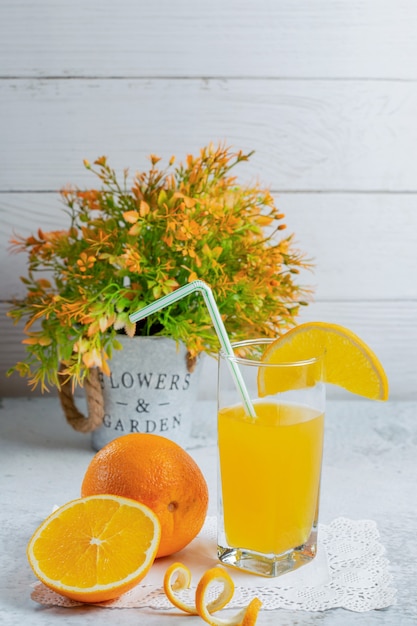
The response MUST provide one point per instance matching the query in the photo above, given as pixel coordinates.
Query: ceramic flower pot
(152, 388)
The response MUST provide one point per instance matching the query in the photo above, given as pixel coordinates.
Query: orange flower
(85, 261)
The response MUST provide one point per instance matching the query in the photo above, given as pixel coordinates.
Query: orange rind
(178, 577)
(245, 617)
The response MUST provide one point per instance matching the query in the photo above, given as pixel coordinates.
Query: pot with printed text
(152, 388)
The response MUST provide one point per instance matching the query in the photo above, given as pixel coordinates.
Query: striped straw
(202, 287)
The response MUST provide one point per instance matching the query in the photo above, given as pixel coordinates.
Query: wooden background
(324, 91)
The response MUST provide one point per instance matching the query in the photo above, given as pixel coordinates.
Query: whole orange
(159, 473)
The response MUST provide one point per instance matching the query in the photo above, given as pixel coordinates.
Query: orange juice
(270, 475)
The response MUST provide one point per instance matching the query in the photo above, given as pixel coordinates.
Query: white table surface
(369, 472)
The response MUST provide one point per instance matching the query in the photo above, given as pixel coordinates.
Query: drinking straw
(202, 287)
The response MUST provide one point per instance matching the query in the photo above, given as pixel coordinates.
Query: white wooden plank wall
(324, 92)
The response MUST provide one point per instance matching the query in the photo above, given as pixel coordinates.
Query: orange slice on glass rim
(95, 548)
(348, 361)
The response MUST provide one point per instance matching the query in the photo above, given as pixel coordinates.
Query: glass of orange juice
(270, 463)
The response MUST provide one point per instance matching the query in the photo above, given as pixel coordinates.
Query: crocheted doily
(349, 571)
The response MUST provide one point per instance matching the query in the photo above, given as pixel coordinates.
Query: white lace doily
(349, 571)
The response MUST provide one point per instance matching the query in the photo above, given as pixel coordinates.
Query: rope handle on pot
(95, 404)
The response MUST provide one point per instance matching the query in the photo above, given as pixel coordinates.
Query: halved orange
(349, 362)
(95, 548)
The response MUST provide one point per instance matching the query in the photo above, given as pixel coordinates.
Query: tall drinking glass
(269, 465)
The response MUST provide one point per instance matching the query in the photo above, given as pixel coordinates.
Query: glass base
(269, 565)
